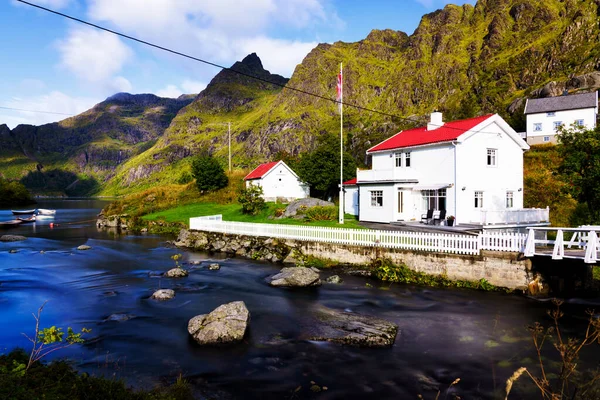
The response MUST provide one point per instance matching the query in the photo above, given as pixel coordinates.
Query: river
(445, 334)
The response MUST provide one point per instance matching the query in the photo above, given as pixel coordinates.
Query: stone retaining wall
(502, 269)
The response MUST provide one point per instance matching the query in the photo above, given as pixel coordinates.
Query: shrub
(209, 173)
(184, 178)
(251, 199)
(321, 213)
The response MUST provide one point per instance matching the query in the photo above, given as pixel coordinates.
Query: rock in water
(119, 317)
(176, 273)
(163, 294)
(214, 267)
(225, 324)
(295, 277)
(12, 238)
(84, 247)
(352, 329)
(334, 279)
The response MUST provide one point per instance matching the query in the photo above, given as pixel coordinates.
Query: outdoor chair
(438, 220)
(426, 218)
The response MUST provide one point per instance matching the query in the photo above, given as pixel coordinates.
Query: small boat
(23, 212)
(43, 211)
(27, 220)
(10, 224)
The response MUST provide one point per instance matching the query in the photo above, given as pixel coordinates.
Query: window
(376, 198)
(398, 160)
(509, 199)
(550, 114)
(407, 159)
(537, 127)
(491, 157)
(478, 199)
(434, 199)
(546, 138)
(557, 124)
(579, 122)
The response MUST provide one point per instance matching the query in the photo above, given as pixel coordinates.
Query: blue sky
(48, 63)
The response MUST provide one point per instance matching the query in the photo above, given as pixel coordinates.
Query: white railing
(383, 174)
(583, 244)
(516, 216)
(500, 241)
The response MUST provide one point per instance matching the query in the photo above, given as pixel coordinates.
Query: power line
(284, 86)
(36, 111)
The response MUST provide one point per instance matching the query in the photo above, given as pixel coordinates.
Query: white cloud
(53, 102)
(93, 55)
(171, 91)
(219, 30)
(188, 86)
(119, 84)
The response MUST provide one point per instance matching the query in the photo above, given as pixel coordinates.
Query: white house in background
(278, 182)
(471, 168)
(544, 116)
(351, 197)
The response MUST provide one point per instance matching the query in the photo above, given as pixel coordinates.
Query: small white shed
(351, 197)
(278, 182)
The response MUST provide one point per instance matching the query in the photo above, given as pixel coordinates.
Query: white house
(471, 168)
(278, 182)
(351, 197)
(544, 116)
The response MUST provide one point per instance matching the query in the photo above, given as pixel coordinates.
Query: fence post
(530, 243)
(559, 246)
(592, 248)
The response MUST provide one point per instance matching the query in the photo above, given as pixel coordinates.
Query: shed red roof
(350, 182)
(260, 171)
(420, 136)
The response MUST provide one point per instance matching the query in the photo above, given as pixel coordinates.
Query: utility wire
(284, 86)
(35, 111)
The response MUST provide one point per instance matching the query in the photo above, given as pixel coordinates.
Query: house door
(402, 205)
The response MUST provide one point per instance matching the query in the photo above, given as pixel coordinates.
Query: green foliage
(386, 270)
(209, 173)
(13, 193)
(60, 181)
(321, 213)
(580, 167)
(184, 178)
(58, 380)
(251, 199)
(320, 168)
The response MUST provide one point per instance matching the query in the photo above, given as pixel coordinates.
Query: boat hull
(22, 212)
(43, 211)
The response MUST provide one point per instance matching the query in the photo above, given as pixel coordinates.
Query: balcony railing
(517, 216)
(378, 175)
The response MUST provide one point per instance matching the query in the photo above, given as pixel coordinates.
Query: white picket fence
(419, 241)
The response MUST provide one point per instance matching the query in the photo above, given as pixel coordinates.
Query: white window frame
(510, 199)
(407, 159)
(537, 127)
(546, 138)
(435, 199)
(579, 122)
(492, 158)
(557, 124)
(376, 198)
(398, 158)
(551, 114)
(478, 197)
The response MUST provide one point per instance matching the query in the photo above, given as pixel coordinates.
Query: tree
(321, 167)
(580, 166)
(209, 173)
(251, 199)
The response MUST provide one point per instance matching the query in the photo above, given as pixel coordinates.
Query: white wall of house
(374, 212)
(351, 199)
(545, 122)
(475, 175)
(281, 182)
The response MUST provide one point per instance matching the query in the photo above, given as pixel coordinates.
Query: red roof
(420, 136)
(260, 171)
(350, 182)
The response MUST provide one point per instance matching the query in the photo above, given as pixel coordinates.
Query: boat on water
(10, 224)
(43, 211)
(27, 220)
(23, 212)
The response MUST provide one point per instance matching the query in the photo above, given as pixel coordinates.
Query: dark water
(444, 334)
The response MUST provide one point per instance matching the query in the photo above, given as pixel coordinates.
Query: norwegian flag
(339, 90)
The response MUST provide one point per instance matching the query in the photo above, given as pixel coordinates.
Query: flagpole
(342, 203)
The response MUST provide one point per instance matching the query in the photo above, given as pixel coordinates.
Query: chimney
(435, 121)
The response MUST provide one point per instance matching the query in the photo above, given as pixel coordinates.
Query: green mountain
(463, 61)
(77, 155)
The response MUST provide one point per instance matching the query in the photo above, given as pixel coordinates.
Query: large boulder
(12, 238)
(292, 210)
(351, 329)
(84, 247)
(225, 324)
(295, 277)
(163, 294)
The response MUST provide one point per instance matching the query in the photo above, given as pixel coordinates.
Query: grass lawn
(233, 212)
